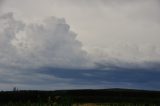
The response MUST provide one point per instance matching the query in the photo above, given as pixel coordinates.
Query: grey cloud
(1, 1)
(117, 77)
(1, 4)
(50, 43)
(127, 56)
(54, 78)
(115, 15)
(125, 34)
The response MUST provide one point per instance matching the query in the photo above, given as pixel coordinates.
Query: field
(106, 97)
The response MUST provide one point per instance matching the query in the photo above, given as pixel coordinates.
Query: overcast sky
(69, 44)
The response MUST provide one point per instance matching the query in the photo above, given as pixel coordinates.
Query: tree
(15, 89)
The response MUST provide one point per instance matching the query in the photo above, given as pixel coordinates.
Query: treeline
(81, 96)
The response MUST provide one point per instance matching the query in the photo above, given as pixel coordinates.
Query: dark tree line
(81, 96)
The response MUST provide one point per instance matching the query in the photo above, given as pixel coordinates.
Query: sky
(79, 44)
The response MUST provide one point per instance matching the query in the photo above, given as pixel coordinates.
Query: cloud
(49, 43)
(28, 48)
(119, 40)
(1, 4)
(128, 78)
(126, 56)
(1, 1)
(53, 78)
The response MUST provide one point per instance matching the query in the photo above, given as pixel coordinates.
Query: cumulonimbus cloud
(46, 44)
(115, 33)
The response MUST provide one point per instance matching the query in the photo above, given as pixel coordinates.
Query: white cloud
(122, 31)
(46, 44)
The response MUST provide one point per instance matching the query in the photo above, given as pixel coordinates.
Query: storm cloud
(49, 43)
(80, 43)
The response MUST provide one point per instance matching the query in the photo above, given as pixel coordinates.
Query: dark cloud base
(112, 78)
(48, 78)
